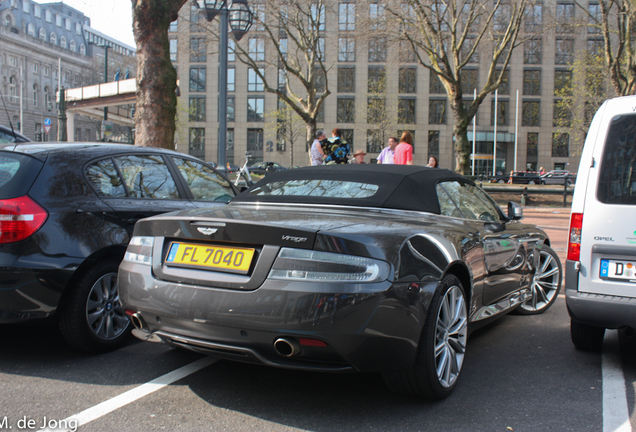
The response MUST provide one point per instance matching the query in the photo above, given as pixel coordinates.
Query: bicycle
(244, 172)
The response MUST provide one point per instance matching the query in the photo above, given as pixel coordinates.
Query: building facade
(526, 129)
(42, 47)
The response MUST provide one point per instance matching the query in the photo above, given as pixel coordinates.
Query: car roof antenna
(15, 138)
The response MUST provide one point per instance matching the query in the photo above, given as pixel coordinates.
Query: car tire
(585, 337)
(545, 285)
(531, 182)
(442, 346)
(92, 319)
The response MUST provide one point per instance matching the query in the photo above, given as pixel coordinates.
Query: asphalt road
(520, 373)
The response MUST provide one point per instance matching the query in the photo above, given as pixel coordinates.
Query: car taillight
(19, 219)
(574, 240)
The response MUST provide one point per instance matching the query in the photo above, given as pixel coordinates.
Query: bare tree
(615, 22)
(296, 72)
(288, 128)
(156, 77)
(446, 35)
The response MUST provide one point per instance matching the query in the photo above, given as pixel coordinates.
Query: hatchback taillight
(19, 219)
(574, 240)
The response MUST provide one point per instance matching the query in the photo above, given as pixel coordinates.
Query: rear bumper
(366, 327)
(27, 294)
(597, 310)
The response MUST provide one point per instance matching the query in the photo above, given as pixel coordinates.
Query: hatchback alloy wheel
(105, 318)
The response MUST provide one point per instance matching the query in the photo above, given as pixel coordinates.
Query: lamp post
(240, 19)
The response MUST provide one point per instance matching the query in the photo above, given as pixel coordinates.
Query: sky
(111, 17)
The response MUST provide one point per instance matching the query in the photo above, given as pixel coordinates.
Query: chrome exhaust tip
(286, 347)
(138, 322)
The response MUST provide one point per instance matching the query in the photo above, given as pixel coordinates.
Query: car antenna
(15, 138)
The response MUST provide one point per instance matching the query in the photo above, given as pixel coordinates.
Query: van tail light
(574, 240)
(20, 218)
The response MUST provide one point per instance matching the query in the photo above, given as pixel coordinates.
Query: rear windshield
(617, 181)
(317, 188)
(17, 174)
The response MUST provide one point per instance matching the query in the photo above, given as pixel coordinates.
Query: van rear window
(617, 181)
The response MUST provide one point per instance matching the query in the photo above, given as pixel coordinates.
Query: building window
(407, 80)
(198, 49)
(594, 18)
(534, 19)
(532, 51)
(256, 49)
(467, 46)
(53, 39)
(31, 29)
(231, 49)
(37, 11)
(173, 50)
(58, 20)
(564, 17)
(345, 112)
(72, 46)
(197, 78)
(406, 53)
(231, 79)
(560, 144)
(502, 112)
(377, 15)
(318, 16)
(376, 81)
(595, 49)
(563, 51)
(36, 95)
(433, 143)
(255, 142)
(530, 113)
(36, 68)
(347, 16)
(561, 115)
(255, 109)
(562, 83)
(375, 143)
(319, 80)
(229, 153)
(532, 147)
(82, 49)
(197, 142)
(48, 16)
(63, 42)
(258, 11)
(346, 79)
(196, 19)
(376, 109)
(43, 34)
(230, 108)
(254, 81)
(470, 80)
(197, 108)
(532, 82)
(437, 111)
(435, 84)
(406, 110)
(504, 87)
(346, 49)
(377, 49)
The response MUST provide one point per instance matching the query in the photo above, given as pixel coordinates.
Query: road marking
(615, 411)
(132, 395)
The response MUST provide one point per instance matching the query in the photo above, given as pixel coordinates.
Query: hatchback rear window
(17, 174)
(617, 181)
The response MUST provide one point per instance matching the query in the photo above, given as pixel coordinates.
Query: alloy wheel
(545, 284)
(103, 313)
(450, 336)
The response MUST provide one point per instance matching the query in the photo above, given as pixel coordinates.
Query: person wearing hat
(359, 157)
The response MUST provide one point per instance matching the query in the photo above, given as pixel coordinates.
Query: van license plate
(616, 269)
(229, 259)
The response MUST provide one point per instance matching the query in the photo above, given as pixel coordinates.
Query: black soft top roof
(406, 187)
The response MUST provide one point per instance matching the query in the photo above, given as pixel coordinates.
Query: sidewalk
(555, 222)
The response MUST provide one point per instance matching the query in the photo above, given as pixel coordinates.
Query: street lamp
(241, 21)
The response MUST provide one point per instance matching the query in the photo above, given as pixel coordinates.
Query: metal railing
(525, 191)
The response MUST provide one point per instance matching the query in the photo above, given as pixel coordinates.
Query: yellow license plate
(230, 259)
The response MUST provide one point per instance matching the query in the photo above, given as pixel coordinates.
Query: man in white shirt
(317, 155)
(386, 156)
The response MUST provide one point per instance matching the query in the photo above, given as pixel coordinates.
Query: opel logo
(207, 231)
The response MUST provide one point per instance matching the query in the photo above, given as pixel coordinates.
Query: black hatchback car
(67, 212)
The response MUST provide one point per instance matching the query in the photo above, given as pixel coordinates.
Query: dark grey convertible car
(340, 268)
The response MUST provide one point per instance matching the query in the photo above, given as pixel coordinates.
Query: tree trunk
(462, 149)
(156, 77)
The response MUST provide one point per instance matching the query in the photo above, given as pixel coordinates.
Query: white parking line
(615, 411)
(132, 395)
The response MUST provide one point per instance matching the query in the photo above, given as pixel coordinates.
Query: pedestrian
(359, 157)
(433, 162)
(386, 156)
(510, 179)
(541, 171)
(317, 154)
(336, 149)
(404, 150)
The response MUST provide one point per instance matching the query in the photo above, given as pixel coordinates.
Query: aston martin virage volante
(365, 268)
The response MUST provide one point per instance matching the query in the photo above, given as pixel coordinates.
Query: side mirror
(515, 212)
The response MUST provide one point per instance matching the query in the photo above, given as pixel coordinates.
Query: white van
(600, 276)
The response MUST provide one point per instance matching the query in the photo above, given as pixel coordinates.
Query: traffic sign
(47, 127)
(47, 122)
